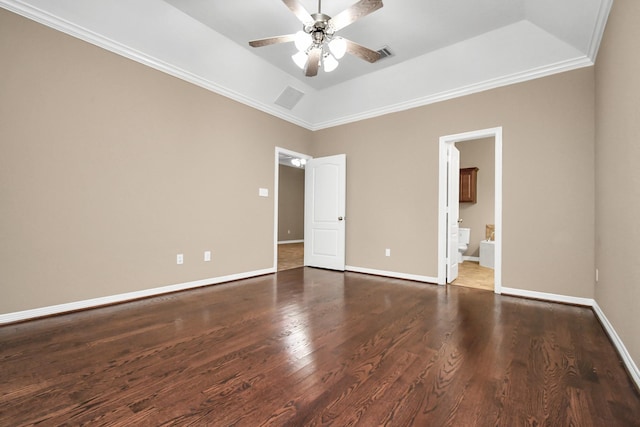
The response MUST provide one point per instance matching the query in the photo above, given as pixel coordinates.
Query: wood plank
(290, 255)
(316, 347)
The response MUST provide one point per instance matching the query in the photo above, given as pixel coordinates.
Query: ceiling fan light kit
(300, 59)
(317, 44)
(302, 41)
(338, 47)
(329, 63)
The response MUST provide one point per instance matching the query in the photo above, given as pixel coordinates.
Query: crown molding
(79, 32)
(534, 73)
(50, 20)
(598, 31)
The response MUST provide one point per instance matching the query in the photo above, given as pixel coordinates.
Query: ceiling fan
(317, 42)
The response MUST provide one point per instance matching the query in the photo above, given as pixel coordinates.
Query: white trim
(74, 30)
(471, 258)
(586, 302)
(393, 274)
(276, 196)
(114, 299)
(94, 38)
(444, 142)
(631, 366)
(288, 242)
(598, 30)
(535, 73)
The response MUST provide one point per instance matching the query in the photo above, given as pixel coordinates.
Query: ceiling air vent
(289, 98)
(385, 52)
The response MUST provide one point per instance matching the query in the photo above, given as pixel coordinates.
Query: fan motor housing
(320, 29)
(321, 23)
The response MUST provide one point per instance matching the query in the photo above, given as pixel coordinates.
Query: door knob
(340, 218)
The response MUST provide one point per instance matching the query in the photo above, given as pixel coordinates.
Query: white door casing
(324, 212)
(453, 212)
(276, 196)
(443, 235)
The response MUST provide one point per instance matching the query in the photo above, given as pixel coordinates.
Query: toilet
(464, 234)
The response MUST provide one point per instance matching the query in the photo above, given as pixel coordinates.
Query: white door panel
(324, 222)
(325, 242)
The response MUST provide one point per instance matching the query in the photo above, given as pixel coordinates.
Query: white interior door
(453, 212)
(324, 212)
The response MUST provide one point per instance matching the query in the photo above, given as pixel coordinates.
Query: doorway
(289, 209)
(476, 214)
(324, 209)
(445, 257)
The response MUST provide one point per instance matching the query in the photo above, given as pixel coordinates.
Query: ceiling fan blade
(313, 62)
(362, 52)
(355, 12)
(299, 11)
(272, 40)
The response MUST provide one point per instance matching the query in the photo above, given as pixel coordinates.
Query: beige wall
(617, 177)
(290, 204)
(548, 219)
(108, 169)
(479, 153)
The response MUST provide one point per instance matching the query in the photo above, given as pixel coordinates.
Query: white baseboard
(113, 299)
(286, 242)
(631, 366)
(471, 258)
(587, 302)
(395, 275)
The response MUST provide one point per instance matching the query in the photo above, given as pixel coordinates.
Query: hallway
(290, 255)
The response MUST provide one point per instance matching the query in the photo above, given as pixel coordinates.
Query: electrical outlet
(207, 255)
(387, 252)
(180, 259)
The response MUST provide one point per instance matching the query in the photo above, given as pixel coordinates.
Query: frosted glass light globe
(338, 47)
(302, 41)
(330, 63)
(300, 59)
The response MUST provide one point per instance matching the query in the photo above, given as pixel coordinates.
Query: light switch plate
(263, 192)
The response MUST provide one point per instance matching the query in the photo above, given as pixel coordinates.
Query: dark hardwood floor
(314, 347)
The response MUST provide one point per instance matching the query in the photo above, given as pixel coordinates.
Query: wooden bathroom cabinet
(468, 185)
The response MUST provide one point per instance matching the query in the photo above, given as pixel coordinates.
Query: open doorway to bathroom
(482, 227)
(476, 214)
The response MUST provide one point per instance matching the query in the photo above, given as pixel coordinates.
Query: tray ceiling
(441, 49)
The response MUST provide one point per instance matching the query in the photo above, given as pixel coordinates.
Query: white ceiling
(442, 48)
